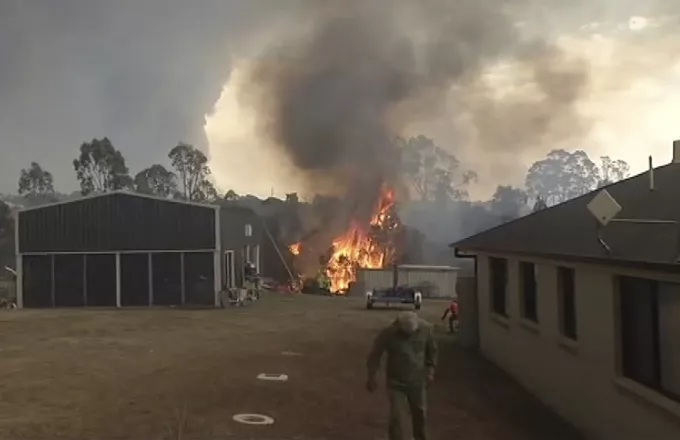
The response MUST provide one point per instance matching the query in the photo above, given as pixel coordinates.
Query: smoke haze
(334, 97)
(498, 86)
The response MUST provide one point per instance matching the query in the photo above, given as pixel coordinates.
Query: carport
(118, 249)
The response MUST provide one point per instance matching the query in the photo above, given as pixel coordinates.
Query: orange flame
(295, 248)
(356, 248)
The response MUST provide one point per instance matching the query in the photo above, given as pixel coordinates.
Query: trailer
(406, 284)
(398, 294)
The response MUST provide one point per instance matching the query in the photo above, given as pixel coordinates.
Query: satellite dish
(604, 207)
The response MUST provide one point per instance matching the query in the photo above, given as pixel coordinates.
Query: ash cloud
(145, 73)
(333, 97)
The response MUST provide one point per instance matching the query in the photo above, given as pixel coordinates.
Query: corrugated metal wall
(434, 282)
(117, 222)
(369, 279)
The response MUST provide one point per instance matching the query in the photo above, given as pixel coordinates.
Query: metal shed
(123, 249)
(433, 281)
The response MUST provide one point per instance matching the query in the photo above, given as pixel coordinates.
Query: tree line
(438, 181)
(435, 174)
(101, 168)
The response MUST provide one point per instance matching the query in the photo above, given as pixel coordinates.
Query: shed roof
(125, 192)
(570, 230)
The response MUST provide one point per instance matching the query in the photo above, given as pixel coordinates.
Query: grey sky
(142, 72)
(145, 72)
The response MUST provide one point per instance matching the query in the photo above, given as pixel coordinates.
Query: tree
(433, 172)
(292, 198)
(35, 181)
(191, 166)
(101, 168)
(539, 205)
(231, 196)
(206, 192)
(156, 181)
(562, 176)
(612, 171)
(508, 202)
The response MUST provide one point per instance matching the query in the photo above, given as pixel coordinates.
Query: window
(499, 275)
(527, 279)
(649, 317)
(566, 302)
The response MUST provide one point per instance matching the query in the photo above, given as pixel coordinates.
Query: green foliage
(156, 181)
(508, 202)
(191, 167)
(292, 198)
(612, 170)
(35, 181)
(563, 175)
(434, 173)
(231, 196)
(101, 168)
(539, 205)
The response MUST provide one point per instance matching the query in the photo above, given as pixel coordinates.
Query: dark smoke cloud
(145, 72)
(334, 97)
(142, 72)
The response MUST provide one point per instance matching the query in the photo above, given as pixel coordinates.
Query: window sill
(568, 345)
(530, 326)
(501, 320)
(648, 396)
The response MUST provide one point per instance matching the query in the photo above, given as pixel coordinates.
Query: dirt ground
(146, 374)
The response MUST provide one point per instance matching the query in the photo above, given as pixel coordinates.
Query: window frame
(565, 310)
(657, 383)
(524, 267)
(494, 286)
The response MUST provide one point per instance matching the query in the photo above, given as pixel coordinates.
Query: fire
(295, 248)
(360, 247)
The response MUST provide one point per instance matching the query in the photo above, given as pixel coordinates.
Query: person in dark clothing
(411, 362)
(252, 279)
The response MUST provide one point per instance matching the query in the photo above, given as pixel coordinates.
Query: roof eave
(590, 259)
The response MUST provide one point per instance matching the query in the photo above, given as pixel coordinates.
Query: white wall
(578, 380)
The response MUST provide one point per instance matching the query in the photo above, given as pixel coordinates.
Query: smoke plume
(334, 96)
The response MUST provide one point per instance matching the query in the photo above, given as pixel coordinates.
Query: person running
(452, 312)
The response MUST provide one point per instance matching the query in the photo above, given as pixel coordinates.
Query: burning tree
(374, 244)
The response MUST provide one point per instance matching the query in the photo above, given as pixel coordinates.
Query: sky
(151, 73)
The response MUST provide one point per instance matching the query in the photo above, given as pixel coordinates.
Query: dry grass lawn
(145, 373)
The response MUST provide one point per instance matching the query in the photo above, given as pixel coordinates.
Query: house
(242, 235)
(126, 249)
(587, 317)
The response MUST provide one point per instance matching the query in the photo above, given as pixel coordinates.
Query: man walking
(411, 361)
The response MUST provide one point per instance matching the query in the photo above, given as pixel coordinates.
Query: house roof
(570, 230)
